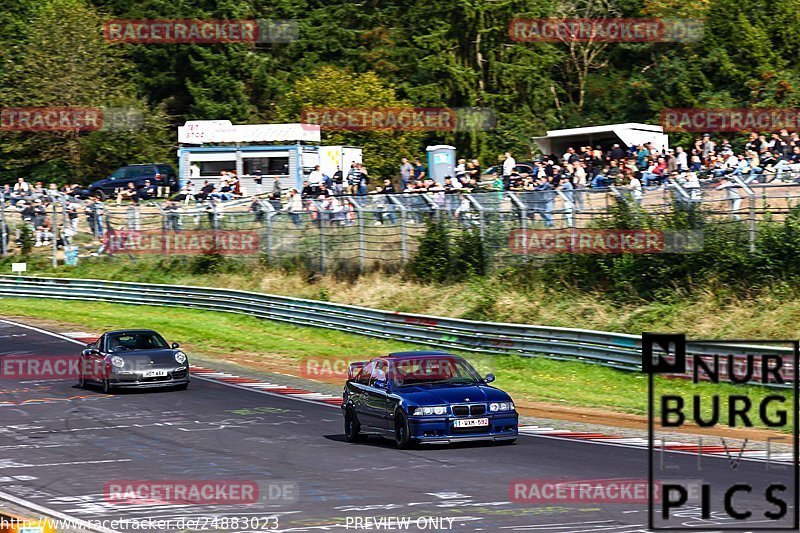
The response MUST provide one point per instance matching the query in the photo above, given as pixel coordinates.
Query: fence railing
(616, 350)
(361, 233)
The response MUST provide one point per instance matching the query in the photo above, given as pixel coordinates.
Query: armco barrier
(615, 350)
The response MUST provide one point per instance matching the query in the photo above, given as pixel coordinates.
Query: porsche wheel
(352, 428)
(106, 386)
(402, 436)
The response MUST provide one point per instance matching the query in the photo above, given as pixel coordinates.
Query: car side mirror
(175, 345)
(87, 352)
(489, 378)
(381, 384)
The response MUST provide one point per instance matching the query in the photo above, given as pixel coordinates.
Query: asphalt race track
(60, 446)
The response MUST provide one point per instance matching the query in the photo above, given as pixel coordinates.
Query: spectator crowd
(709, 162)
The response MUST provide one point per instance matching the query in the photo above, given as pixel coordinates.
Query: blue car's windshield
(438, 369)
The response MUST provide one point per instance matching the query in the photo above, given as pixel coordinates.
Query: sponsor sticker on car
(471, 422)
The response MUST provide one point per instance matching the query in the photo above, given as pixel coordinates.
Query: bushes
(448, 255)
(442, 258)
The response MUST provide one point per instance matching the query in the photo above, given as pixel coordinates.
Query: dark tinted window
(131, 173)
(165, 170)
(136, 341)
(378, 372)
(433, 369)
(365, 374)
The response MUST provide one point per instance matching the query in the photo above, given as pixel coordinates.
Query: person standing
(363, 182)
(353, 179)
(635, 186)
(406, 172)
(419, 170)
(171, 216)
(545, 193)
(508, 168)
(315, 180)
(294, 207)
(732, 195)
(568, 190)
(338, 181)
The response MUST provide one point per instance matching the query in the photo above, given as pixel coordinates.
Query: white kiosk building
(208, 147)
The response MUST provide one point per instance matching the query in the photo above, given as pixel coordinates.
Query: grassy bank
(716, 311)
(282, 348)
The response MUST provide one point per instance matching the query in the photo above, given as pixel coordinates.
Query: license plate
(471, 422)
(154, 373)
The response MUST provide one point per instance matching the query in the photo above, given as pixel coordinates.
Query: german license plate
(154, 373)
(471, 422)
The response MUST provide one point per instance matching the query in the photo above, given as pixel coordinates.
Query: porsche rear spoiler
(354, 369)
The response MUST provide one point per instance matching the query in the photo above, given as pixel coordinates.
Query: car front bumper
(133, 379)
(435, 430)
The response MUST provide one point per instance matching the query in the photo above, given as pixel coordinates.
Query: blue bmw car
(425, 398)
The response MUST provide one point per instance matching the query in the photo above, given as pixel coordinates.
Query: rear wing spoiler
(354, 369)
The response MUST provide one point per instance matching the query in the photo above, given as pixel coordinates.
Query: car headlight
(437, 410)
(180, 357)
(501, 406)
(118, 361)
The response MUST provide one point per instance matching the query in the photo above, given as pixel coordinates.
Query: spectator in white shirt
(681, 159)
(22, 189)
(316, 177)
(508, 165)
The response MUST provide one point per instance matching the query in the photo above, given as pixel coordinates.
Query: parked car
(425, 397)
(135, 358)
(159, 174)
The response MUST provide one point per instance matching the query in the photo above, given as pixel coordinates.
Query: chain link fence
(357, 233)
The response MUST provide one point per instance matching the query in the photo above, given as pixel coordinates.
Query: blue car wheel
(352, 427)
(402, 435)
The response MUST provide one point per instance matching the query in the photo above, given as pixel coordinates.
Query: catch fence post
(54, 229)
(3, 226)
(523, 222)
(403, 230)
(270, 212)
(321, 240)
(751, 211)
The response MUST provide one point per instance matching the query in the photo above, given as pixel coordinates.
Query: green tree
(334, 88)
(432, 263)
(65, 62)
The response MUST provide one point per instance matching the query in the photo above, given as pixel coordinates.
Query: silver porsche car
(133, 358)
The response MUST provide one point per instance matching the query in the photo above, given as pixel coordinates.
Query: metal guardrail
(616, 350)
